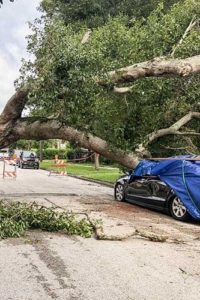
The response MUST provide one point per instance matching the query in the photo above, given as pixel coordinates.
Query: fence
(59, 168)
(9, 168)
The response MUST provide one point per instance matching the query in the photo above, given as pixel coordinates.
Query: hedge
(50, 153)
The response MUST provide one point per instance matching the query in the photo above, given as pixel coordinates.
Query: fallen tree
(137, 105)
(14, 127)
(157, 67)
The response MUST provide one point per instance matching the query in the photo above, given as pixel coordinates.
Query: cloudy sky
(13, 29)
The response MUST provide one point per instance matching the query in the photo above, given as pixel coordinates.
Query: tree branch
(86, 37)
(191, 146)
(173, 148)
(172, 130)
(188, 29)
(122, 90)
(157, 67)
(14, 107)
(52, 129)
(187, 133)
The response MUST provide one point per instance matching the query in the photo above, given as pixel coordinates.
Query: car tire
(177, 210)
(119, 192)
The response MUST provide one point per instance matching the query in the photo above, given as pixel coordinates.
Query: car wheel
(177, 210)
(119, 192)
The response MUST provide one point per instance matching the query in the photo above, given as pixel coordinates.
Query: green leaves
(17, 218)
(95, 13)
(62, 78)
(12, 228)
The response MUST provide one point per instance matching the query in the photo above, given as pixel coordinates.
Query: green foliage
(62, 79)
(17, 218)
(30, 145)
(50, 153)
(95, 13)
(12, 228)
(77, 153)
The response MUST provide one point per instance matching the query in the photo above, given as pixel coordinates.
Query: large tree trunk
(43, 130)
(13, 127)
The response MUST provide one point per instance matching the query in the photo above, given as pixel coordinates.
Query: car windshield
(29, 154)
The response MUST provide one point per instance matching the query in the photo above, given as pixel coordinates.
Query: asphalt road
(48, 266)
(38, 182)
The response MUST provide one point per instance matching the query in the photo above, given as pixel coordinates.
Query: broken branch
(157, 67)
(188, 29)
(172, 130)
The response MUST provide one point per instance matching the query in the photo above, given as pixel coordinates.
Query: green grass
(105, 173)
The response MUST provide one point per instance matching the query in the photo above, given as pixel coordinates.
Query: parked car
(150, 192)
(27, 159)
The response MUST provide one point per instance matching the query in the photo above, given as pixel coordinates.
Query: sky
(14, 17)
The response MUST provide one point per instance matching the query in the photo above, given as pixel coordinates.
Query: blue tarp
(183, 176)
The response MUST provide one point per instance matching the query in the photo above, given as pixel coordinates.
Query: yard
(104, 173)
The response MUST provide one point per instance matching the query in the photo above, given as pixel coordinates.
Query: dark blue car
(151, 192)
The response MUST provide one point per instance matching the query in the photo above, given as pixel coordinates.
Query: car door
(146, 192)
(160, 193)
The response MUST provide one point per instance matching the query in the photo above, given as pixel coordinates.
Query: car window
(32, 155)
(27, 154)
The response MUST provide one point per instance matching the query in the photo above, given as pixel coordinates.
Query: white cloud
(14, 19)
(7, 77)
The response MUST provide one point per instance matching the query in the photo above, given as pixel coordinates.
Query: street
(92, 91)
(54, 266)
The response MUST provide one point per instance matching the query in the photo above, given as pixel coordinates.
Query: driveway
(53, 266)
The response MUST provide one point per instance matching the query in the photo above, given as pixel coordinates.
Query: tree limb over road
(157, 67)
(174, 129)
(13, 127)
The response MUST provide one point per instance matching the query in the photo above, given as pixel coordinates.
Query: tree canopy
(81, 84)
(94, 13)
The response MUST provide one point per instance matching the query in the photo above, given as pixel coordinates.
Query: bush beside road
(105, 174)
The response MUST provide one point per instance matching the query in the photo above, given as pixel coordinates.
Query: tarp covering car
(179, 173)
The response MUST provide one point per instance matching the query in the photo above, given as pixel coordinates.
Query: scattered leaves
(17, 218)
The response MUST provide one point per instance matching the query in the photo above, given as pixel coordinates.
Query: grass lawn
(105, 173)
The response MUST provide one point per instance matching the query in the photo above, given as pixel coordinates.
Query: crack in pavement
(16, 195)
(56, 266)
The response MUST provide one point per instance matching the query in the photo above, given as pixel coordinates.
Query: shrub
(50, 153)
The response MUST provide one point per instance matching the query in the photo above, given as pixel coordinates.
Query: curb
(88, 179)
(92, 180)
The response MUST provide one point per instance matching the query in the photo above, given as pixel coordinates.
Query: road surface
(47, 266)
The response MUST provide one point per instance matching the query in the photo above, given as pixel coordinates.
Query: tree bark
(14, 107)
(172, 130)
(41, 150)
(43, 130)
(13, 127)
(96, 161)
(157, 67)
